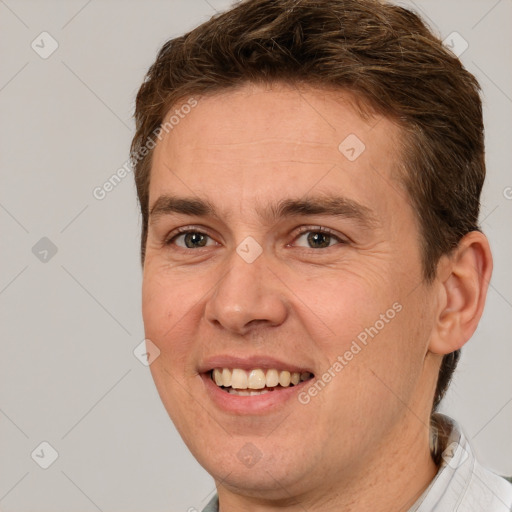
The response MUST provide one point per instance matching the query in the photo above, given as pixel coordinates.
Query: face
(283, 288)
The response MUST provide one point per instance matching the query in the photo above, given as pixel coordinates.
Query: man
(309, 177)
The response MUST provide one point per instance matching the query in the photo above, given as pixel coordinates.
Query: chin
(246, 465)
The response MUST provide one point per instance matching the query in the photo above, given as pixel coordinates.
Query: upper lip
(249, 363)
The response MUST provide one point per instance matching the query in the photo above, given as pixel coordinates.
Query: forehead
(262, 140)
(277, 112)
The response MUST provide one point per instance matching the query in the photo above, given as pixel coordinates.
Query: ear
(462, 279)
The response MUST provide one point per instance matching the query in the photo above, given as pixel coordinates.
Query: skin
(347, 448)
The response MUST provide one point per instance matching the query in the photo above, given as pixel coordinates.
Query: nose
(248, 296)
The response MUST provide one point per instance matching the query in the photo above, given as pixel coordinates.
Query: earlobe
(463, 280)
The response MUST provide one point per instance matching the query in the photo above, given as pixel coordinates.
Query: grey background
(69, 324)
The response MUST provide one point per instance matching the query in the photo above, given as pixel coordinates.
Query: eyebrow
(335, 206)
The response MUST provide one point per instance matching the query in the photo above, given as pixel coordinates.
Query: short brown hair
(382, 53)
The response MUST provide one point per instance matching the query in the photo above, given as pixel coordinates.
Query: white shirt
(460, 485)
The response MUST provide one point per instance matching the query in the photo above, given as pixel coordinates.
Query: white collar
(462, 484)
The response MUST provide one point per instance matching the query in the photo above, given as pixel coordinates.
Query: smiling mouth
(256, 382)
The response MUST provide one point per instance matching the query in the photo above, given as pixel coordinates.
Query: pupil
(319, 239)
(195, 240)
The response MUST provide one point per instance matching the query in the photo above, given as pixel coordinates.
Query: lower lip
(255, 404)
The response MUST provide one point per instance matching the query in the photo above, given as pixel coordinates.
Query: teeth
(239, 379)
(217, 377)
(226, 377)
(284, 378)
(244, 392)
(272, 378)
(256, 379)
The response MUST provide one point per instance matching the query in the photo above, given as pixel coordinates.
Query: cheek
(169, 309)
(342, 305)
(377, 379)
(168, 312)
(377, 328)
(390, 365)
(166, 300)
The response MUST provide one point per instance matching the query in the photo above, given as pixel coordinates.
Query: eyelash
(184, 230)
(320, 229)
(305, 229)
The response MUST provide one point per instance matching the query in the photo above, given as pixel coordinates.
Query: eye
(191, 240)
(319, 238)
